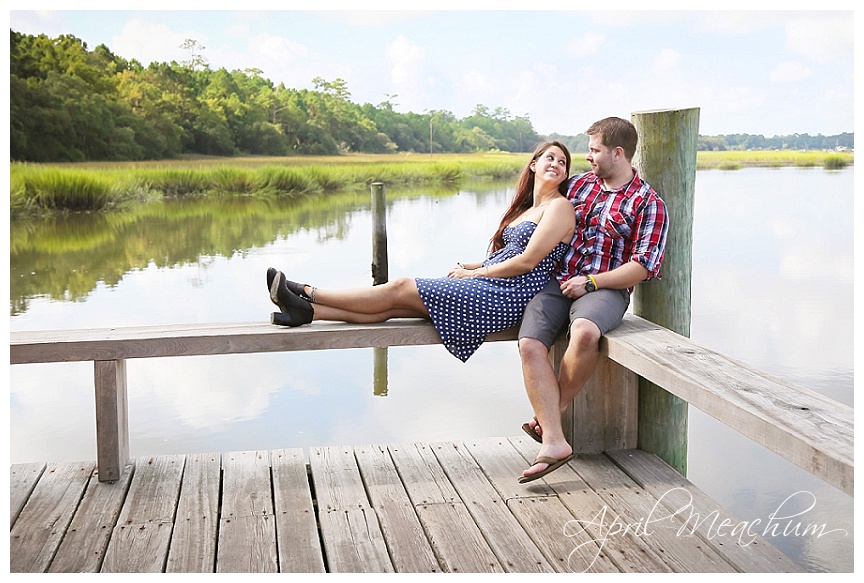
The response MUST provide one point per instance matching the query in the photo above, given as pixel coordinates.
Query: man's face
(600, 157)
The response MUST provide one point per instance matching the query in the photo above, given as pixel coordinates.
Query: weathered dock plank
(247, 530)
(551, 526)
(502, 465)
(535, 505)
(515, 551)
(632, 506)
(353, 541)
(217, 338)
(22, 480)
(140, 541)
(408, 546)
(808, 429)
(717, 527)
(138, 548)
(193, 543)
(86, 541)
(459, 505)
(621, 550)
(43, 520)
(297, 538)
(455, 537)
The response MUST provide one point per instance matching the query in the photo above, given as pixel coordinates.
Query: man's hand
(574, 287)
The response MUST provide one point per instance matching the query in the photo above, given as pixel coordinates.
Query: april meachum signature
(782, 522)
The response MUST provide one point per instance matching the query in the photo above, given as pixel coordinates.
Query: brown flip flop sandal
(531, 432)
(553, 465)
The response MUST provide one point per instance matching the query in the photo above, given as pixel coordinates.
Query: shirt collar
(626, 187)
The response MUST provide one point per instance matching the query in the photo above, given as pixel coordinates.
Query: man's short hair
(615, 132)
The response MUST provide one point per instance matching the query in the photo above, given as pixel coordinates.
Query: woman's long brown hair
(524, 197)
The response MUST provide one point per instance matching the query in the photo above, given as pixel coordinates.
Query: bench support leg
(604, 415)
(112, 419)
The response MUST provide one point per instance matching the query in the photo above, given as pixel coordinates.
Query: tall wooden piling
(380, 274)
(666, 159)
(380, 268)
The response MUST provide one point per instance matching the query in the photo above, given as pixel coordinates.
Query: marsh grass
(55, 189)
(836, 162)
(36, 188)
(735, 160)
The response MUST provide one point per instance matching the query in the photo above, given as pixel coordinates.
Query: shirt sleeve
(652, 228)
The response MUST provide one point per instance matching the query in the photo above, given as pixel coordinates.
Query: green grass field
(47, 188)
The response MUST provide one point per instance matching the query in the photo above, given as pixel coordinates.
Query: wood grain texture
(808, 429)
(467, 519)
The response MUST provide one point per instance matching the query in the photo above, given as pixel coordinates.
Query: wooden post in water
(666, 159)
(380, 268)
(380, 274)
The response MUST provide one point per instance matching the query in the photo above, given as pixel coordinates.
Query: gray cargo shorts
(549, 313)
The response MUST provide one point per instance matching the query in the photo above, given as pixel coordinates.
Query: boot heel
(281, 319)
(290, 319)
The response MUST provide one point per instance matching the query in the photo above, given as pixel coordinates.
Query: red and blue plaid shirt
(614, 227)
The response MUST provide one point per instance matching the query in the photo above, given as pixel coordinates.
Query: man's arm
(622, 277)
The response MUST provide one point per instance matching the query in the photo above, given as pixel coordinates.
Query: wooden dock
(451, 507)
(440, 507)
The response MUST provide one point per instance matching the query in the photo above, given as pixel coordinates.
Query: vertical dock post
(380, 268)
(380, 274)
(666, 159)
(112, 419)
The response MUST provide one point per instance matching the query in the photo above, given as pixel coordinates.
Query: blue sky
(760, 72)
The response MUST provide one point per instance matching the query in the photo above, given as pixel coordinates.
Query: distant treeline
(69, 104)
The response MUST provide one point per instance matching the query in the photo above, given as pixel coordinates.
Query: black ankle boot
(295, 288)
(295, 310)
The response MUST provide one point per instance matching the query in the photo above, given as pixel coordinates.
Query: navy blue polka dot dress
(465, 311)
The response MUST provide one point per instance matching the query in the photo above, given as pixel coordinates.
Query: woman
(475, 299)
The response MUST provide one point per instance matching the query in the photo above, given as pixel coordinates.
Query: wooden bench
(810, 430)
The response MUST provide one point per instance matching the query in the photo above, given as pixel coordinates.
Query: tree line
(69, 104)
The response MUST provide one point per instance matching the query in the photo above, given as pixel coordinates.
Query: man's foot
(548, 461)
(550, 465)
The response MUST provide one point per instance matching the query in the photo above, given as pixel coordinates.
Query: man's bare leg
(550, 396)
(579, 360)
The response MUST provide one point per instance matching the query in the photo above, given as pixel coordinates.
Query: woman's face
(550, 166)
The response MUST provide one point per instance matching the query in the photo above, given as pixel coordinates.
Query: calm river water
(772, 286)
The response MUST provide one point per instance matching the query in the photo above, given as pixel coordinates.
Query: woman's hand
(460, 272)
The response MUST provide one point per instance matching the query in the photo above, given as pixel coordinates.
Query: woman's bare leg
(396, 299)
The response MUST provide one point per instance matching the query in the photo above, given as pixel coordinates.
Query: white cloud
(789, 72)
(149, 43)
(732, 99)
(585, 45)
(277, 48)
(407, 59)
(475, 82)
(821, 39)
(734, 22)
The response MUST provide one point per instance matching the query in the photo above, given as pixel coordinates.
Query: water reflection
(772, 286)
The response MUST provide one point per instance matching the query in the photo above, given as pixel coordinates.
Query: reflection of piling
(379, 372)
(666, 159)
(379, 234)
(380, 275)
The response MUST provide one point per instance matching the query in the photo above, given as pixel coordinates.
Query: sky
(748, 71)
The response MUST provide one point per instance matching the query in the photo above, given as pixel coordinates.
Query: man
(621, 226)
